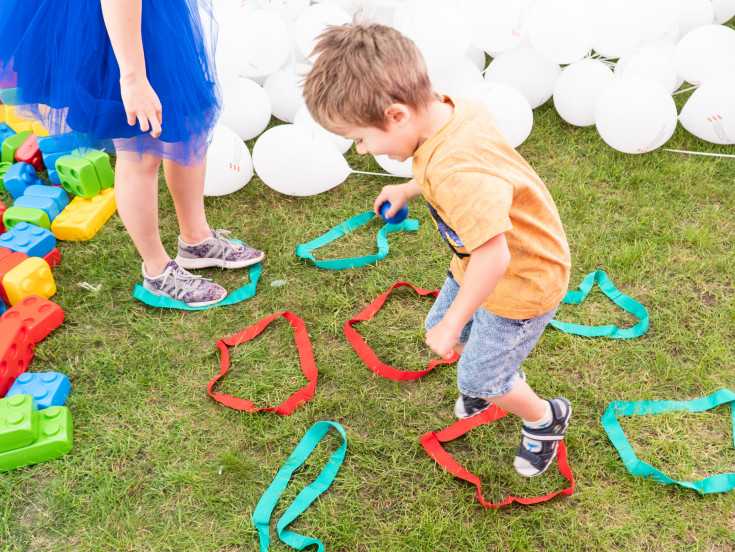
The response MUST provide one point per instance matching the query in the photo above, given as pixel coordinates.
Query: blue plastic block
(53, 177)
(19, 177)
(5, 132)
(47, 388)
(26, 238)
(10, 96)
(58, 143)
(45, 204)
(58, 195)
(49, 159)
(3, 308)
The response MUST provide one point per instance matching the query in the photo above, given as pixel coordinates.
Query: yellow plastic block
(83, 218)
(3, 109)
(12, 117)
(39, 130)
(31, 277)
(20, 126)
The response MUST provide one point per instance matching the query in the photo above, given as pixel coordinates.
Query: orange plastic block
(16, 352)
(31, 277)
(83, 218)
(53, 258)
(28, 152)
(38, 315)
(8, 261)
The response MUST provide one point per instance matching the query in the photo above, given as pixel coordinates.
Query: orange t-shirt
(478, 186)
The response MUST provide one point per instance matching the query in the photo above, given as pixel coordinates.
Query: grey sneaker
(176, 283)
(538, 445)
(467, 406)
(217, 250)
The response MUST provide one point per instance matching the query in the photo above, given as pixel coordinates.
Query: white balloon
(696, 13)
(376, 13)
(709, 113)
(246, 108)
(619, 27)
(397, 168)
(509, 107)
(293, 8)
(266, 42)
(229, 165)
(476, 56)
(659, 16)
(724, 10)
(578, 88)
(304, 118)
(313, 22)
(438, 29)
(229, 58)
(285, 90)
(450, 80)
(561, 30)
(293, 160)
(635, 115)
(653, 63)
(670, 50)
(496, 25)
(673, 35)
(528, 71)
(705, 53)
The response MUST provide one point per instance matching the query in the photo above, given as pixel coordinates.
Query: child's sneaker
(467, 406)
(538, 445)
(217, 250)
(176, 283)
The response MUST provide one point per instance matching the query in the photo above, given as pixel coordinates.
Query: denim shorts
(494, 346)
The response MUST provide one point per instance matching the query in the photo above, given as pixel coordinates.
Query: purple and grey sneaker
(176, 283)
(217, 250)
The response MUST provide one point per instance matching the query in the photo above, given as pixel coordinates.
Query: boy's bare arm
(486, 267)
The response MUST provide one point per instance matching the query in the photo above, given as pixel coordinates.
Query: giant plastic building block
(78, 176)
(101, 163)
(83, 218)
(19, 177)
(54, 440)
(38, 129)
(16, 352)
(11, 145)
(58, 143)
(31, 277)
(38, 315)
(47, 389)
(3, 169)
(5, 133)
(18, 422)
(58, 195)
(49, 159)
(32, 215)
(26, 238)
(2, 212)
(45, 204)
(8, 261)
(53, 177)
(28, 152)
(53, 258)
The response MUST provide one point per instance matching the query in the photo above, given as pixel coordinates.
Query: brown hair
(361, 70)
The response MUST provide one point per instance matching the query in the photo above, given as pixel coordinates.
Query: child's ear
(398, 114)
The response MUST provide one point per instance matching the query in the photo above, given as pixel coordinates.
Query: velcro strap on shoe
(534, 458)
(304, 250)
(370, 358)
(306, 356)
(432, 443)
(541, 434)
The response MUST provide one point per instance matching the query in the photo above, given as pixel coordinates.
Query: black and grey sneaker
(467, 406)
(538, 445)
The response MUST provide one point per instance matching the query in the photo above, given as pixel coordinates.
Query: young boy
(511, 260)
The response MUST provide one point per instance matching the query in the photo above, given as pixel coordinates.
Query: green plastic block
(102, 166)
(11, 145)
(3, 169)
(18, 423)
(54, 440)
(38, 217)
(78, 176)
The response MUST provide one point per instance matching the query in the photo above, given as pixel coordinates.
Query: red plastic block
(53, 257)
(16, 352)
(2, 210)
(38, 315)
(28, 152)
(8, 261)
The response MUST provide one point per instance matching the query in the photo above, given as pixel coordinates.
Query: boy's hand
(442, 338)
(398, 195)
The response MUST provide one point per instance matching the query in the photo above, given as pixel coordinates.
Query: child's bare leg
(522, 401)
(136, 195)
(186, 184)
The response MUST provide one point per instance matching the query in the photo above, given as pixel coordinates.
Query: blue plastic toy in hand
(399, 217)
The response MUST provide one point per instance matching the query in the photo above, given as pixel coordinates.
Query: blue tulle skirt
(68, 77)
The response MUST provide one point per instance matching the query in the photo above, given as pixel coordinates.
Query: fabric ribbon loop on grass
(432, 443)
(306, 356)
(241, 294)
(366, 353)
(623, 301)
(714, 484)
(264, 509)
(304, 250)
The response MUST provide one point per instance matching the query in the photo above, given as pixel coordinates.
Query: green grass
(158, 465)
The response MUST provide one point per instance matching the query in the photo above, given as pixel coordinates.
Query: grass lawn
(158, 465)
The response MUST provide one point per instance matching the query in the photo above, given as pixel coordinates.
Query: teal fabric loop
(303, 250)
(714, 484)
(623, 301)
(266, 504)
(245, 292)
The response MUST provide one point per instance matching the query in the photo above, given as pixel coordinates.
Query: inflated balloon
(285, 90)
(304, 118)
(477, 57)
(394, 167)
(246, 108)
(653, 63)
(709, 113)
(578, 88)
(528, 71)
(314, 21)
(266, 42)
(724, 10)
(695, 14)
(509, 107)
(439, 30)
(670, 50)
(561, 30)
(635, 115)
(229, 165)
(659, 16)
(496, 25)
(706, 52)
(292, 8)
(619, 27)
(229, 56)
(293, 160)
(450, 80)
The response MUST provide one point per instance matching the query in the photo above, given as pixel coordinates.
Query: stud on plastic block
(18, 177)
(31, 277)
(30, 215)
(78, 176)
(26, 238)
(83, 218)
(18, 423)
(47, 388)
(55, 436)
(16, 352)
(38, 315)
(11, 145)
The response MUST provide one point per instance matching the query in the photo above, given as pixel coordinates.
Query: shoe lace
(183, 281)
(225, 243)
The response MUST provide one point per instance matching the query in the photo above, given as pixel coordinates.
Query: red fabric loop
(306, 356)
(432, 441)
(366, 353)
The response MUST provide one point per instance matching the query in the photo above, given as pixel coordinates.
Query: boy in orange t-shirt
(511, 261)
